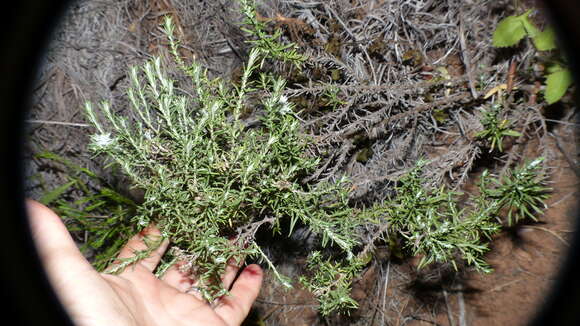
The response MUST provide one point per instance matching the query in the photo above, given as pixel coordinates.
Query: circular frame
(27, 294)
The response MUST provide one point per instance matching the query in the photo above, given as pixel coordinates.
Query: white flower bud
(102, 141)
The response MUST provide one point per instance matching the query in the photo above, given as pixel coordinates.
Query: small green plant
(266, 43)
(558, 81)
(435, 228)
(331, 282)
(102, 214)
(331, 97)
(512, 29)
(206, 177)
(521, 192)
(495, 129)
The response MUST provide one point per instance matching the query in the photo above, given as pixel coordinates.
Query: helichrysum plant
(331, 282)
(211, 180)
(434, 227)
(208, 177)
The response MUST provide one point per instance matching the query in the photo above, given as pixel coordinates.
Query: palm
(135, 296)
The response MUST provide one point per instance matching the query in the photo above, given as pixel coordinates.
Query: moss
(364, 155)
(334, 45)
(413, 58)
(378, 48)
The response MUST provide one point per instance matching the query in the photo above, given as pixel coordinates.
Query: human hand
(135, 296)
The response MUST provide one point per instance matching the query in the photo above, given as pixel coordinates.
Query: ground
(410, 78)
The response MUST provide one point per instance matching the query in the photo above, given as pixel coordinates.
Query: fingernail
(253, 270)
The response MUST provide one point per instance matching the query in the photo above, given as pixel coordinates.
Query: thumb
(82, 291)
(57, 250)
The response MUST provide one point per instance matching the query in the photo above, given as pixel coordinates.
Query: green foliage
(512, 29)
(557, 82)
(73, 168)
(206, 176)
(433, 225)
(331, 97)
(211, 181)
(521, 192)
(55, 193)
(266, 43)
(122, 263)
(331, 282)
(102, 214)
(495, 129)
(545, 40)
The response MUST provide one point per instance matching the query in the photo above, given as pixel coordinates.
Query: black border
(27, 298)
(562, 306)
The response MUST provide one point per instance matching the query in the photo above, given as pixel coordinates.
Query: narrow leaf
(69, 164)
(52, 195)
(512, 133)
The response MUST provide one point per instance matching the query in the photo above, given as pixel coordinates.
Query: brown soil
(527, 259)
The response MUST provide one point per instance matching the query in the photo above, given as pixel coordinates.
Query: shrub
(212, 180)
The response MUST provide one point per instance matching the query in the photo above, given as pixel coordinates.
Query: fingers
(182, 280)
(139, 242)
(70, 274)
(232, 269)
(55, 246)
(235, 307)
(177, 278)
